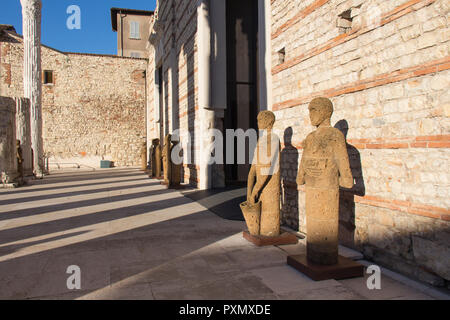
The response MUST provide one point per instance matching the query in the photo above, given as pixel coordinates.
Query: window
(135, 55)
(48, 77)
(347, 18)
(281, 56)
(344, 22)
(134, 30)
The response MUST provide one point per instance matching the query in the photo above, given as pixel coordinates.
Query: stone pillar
(8, 164)
(207, 116)
(32, 76)
(23, 133)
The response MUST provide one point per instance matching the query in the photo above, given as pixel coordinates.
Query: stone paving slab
(133, 239)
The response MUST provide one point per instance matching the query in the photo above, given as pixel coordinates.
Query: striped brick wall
(179, 34)
(388, 78)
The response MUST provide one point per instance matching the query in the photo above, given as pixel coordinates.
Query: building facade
(93, 105)
(384, 65)
(132, 27)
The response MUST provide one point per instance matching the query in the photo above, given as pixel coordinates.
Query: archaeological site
(236, 149)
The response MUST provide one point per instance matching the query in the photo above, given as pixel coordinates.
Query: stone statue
(156, 158)
(19, 160)
(144, 156)
(166, 158)
(263, 189)
(323, 168)
(175, 169)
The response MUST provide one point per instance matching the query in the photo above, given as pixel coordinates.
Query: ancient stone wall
(384, 64)
(94, 109)
(175, 51)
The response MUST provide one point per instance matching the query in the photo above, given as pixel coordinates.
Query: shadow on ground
(223, 202)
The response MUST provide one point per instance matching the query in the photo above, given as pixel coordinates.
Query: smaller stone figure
(263, 189)
(166, 158)
(262, 208)
(144, 156)
(156, 159)
(19, 160)
(175, 170)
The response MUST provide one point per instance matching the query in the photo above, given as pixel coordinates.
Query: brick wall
(94, 109)
(176, 52)
(387, 75)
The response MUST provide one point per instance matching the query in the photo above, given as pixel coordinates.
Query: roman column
(32, 76)
(204, 92)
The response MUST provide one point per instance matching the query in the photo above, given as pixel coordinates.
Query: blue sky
(95, 36)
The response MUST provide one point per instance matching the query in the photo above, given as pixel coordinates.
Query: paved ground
(132, 239)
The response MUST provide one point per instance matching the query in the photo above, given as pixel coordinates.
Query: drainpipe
(121, 30)
(204, 91)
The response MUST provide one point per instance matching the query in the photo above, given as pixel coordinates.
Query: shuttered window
(134, 30)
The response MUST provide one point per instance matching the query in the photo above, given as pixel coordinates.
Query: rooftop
(115, 11)
(7, 27)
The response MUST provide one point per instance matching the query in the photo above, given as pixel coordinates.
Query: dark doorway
(242, 77)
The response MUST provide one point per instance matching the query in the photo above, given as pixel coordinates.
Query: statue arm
(259, 185)
(342, 160)
(19, 156)
(301, 169)
(251, 183)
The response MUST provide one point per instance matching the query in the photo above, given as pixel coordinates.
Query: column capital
(31, 4)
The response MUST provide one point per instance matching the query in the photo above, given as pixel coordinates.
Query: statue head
(320, 110)
(155, 142)
(167, 138)
(17, 143)
(266, 120)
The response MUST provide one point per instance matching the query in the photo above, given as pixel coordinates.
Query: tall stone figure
(32, 77)
(262, 208)
(19, 156)
(323, 168)
(156, 158)
(166, 158)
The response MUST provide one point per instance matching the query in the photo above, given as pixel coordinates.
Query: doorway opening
(242, 79)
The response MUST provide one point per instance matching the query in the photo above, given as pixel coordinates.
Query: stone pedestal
(343, 269)
(8, 161)
(23, 133)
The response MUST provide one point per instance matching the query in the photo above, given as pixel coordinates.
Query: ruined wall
(95, 108)
(175, 51)
(385, 68)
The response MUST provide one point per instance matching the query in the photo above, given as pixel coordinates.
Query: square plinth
(284, 238)
(345, 268)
